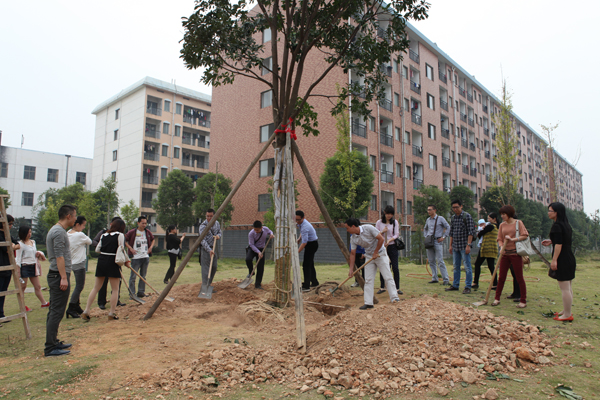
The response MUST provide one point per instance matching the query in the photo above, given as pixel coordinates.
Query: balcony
(462, 91)
(465, 169)
(463, 117)
(417, 183)
(415, 87)
(386, 140)
(195, 120)
(486, 131)
(386, 70)
(151, 156)
(443, 77)
(151, 227)
(146, 204)
(464, 143)
(386, 104)
(154, 109)
(488, 178)
(472, 146)
(153, 133)
(473, 171)
(417, 151)
(416, 118)
(359, 129)
(493, 136)
(470, 97)
(485, 109)
(150, 179)
(381, 32)
(519, 151)
(487, 154)
(446, 133)
(471, 122)
(186, 162)
(447, 189)
(387, 177)
(414, 56)
(444, 105)
(446, 162)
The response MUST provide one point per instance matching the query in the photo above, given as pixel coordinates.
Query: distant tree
(130, 213)
(173, 204)
(465, 195)
(7, 202)
(211, 190)
(595, 230)
(490, 201)
(430, 194)
(108, 201)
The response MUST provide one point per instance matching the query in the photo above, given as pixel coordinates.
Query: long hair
(117, 225)
(23, 232)
(561, 215)
(388, 210)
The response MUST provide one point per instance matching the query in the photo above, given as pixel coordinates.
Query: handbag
(523, 246)
(399, 244)
(552, 273)
(430, 239)
(121, 257)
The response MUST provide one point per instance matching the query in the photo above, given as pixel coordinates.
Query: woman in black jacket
(174, 250)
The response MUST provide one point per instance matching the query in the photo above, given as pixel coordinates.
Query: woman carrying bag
(26, 259)
(174, 250)
(388, 226)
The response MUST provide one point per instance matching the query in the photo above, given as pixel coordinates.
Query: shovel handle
(350, 277)
(142, 278)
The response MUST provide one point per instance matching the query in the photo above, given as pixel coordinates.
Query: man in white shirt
(140, 242)
(371, 240)
(438, 227)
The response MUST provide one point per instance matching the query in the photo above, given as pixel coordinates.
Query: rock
(334, 363)
(146, 376)
(476, 359)
(457, 362)
(338, 398)
(379, 386)
(317, 373)
(304, 388)
(543, 360)
(442, 391)
(301, 370)
(393, 385)
(353, 391)
(364, 376)
(334, 372)
(430, 363)
(468, 377)
(326, 375)
(345, 381)
(321, 389)
(525, 354)
(499, 367)
(587, 365)
(186, 373)
(413, 367)
(491, 395)
(374, 340)
(491, 331)
(328, 393)
(209, 381)
(393, 371)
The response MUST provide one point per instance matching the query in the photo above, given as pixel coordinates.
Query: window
(165, 151)
(405, 71)
(409, 207)
(398, 134)
(433, 162)
(116, 134)
(372, 123)
(177, 130)
(266, 35)
(167, 106)
(52, 175)
(266, 131)
(266, 168)
(114, 155)
(113, 175)
(399, 206)
(430, 101)
(406, 137)
(27, 199)
(178, 107)
(373, 162)
(266, 99)
(163, 173)
(4, 170)
(117, 113)
(166, 128)
(396, 99)
(452, 153)
(373, 202)
(408, 174)
(265, 202)
(406, 107)
(29, 173)
(267, 66)
(395, 65)
(398, 170)
(176, 152)
(80, 177)
(431, 131)
(429, 71)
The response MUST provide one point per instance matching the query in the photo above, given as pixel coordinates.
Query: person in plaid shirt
(207, 244)
(461, 235)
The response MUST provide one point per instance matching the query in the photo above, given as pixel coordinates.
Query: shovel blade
(206, 292)
(169, 299)
(480, 303)
(246, 282)
(136, 299)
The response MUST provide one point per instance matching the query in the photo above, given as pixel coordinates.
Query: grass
(25, 373)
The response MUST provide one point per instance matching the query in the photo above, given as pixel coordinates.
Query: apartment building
(565, 181)
(434, 126)
(26, 174)
(146, 131)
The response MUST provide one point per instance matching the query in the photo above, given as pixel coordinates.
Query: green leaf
(464, 384)
(567, 392)
(521, 312)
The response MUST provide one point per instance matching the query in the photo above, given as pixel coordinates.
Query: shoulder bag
(430, 239)
(397, 242)
(121, 257)
(523, 246)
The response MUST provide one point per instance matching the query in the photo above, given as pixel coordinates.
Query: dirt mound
(417, 345)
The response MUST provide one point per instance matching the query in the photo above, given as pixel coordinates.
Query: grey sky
(60, 59)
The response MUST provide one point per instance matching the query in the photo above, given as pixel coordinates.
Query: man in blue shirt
(308, 240)
(256, 246)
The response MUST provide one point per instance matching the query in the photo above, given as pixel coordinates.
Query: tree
(173, 204)
(595, 229)
(130, 213)
(108, 201)
(549, 133)
(430, 194)
(210, 192)
(7, 202)
(466, 195)
(507, 177)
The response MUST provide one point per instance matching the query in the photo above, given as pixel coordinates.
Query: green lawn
(25, 373)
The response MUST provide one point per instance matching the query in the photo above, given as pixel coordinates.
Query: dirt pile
(417, 345)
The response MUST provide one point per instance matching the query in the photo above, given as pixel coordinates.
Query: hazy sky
(59, 59)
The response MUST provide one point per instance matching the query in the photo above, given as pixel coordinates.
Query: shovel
(348, 278)
(487, 294)
(246, 282)
(206, 290)
(131, 294)
(168, 298)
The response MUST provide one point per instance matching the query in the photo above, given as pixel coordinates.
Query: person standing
(359, 260)
(390, 230)
(372, 241)
(78, 242)
(507, 233)
(563, 259)
(26, 259)
(59, 254)
(257, 238)
(308, 240)
(140, 242)
(104, 289)
(5, 276)
(206, 248)
(174, 250)
(461, 235)
(438, 227)
(488, 248)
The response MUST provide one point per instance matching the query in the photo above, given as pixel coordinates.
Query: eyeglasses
(455, 207)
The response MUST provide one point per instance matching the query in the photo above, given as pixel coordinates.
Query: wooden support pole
(196, 244)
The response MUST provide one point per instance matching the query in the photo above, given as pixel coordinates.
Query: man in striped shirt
(206, 247)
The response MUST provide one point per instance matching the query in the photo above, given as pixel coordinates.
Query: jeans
(139, 265)
(79, 284)
(461, 255)
(435, 256)
(308, 265)
(173, 262)
(56, 311)
(260, 266)
(4, 283)
(392, 252)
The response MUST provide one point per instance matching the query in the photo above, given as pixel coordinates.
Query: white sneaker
(355, 284)
(395, 301)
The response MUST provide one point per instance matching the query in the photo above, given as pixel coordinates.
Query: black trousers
(4, 283)
(260, 267)
(171, 270)
(103, 290)
(479, 263)
(358, 262)
(516, 288)
(308, 265)
(392, 252)
(56, 311)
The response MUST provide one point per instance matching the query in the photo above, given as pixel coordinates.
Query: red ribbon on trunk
(288, 128)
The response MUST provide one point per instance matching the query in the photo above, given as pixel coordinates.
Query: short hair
(300, 213)
(10, 218)
(141, 217)
(493, 215)
(115, 218)
(432, 206)
(257, 224)
(352, 222)
(65, 211)
(508, 210)
(117, 225)
(24, 231)
(80, 220)
(170, 228)
(210, 210)
(456, 201)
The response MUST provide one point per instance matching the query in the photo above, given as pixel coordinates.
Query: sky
(61, 59)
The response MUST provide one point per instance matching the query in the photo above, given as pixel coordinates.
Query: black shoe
(259, 287)
(512, 296)
(71, 311)
(365, 307)
(433, 281)
(450, 289)
(306, 289)
(63, 345)
(467, 291)
(517, 300)
(445, 283)
(475, 286)
(102, 306)
(57, 352)
(400, 291)
(166, 281)
(119, 304)
(78, 308)
(314, 285)
(380, 291)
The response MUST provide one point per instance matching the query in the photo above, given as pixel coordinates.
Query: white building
(26, 174)
(145, 131)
